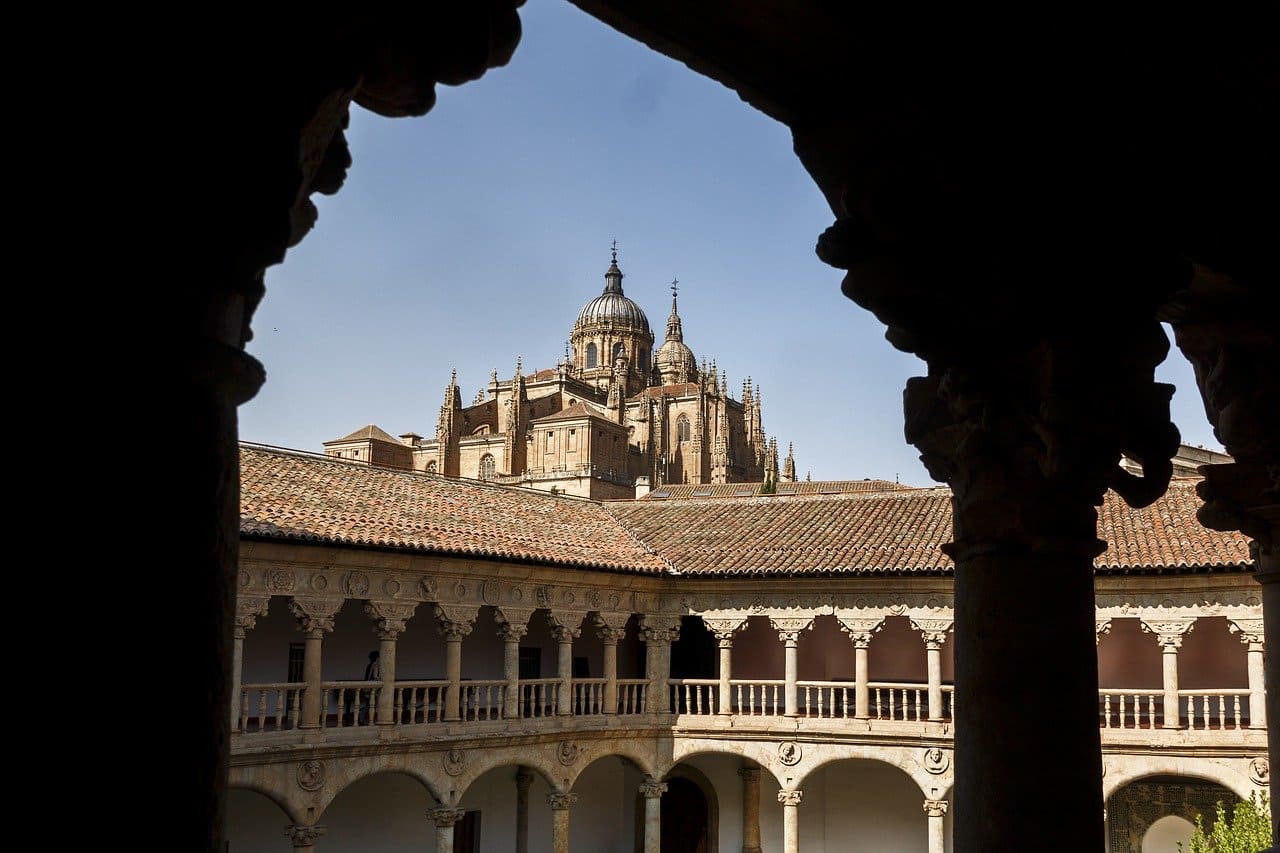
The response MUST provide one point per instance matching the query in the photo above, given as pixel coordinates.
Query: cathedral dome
(675, 359)
(612, 306)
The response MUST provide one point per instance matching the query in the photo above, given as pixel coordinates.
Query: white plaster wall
(494, 795)
(603, 819)
(861, 805)
(770, 814)
(254, 823)
(1164, 835)
(383, 813)
(756, 651)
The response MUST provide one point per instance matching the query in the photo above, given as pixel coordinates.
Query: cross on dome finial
(675, 286)
(615, 251)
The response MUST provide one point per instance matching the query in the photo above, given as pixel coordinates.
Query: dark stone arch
(1133, 808)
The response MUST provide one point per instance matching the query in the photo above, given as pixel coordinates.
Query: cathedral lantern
(609, 328)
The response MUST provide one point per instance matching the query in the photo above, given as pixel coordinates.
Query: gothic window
(483, 429)
(431, 467)
(591, 355)
(644, 360)
(486, 467)
(682, 428)
(617, 351)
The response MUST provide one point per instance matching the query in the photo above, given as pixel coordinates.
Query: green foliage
(1248, 831)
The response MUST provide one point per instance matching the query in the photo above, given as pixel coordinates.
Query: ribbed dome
(612, 306)
(615, 308)
(673, 357)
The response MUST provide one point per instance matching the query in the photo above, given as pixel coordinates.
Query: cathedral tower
(611, 328)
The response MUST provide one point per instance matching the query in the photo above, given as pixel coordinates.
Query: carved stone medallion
(391, 586)
(593, 599)
(790, 753)
(244, 579)
(319, 582)
(357, 583)
(936, 761)
(453, 761)
(1260, 770)
(280, 580)
(311, 775)
(489, 592)
(430, 588)
(568, 752)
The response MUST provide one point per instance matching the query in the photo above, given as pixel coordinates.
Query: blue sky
(473, 235)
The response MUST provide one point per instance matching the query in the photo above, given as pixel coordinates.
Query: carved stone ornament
(542, 595)
(490, 591)
(280, 580)
(790, 753)
(304, 836)
(560, 802)
(790, 798)
(244, 579)
(935, 808)
(443, 816)
(936, 760)
(430, 588)
(311, 775)
(357, 584)
(568, 752)
(1260, 770)
(391, 586)
(454, 760)
(319, 582)
(593, 599)
(652, 788)
(459, 590)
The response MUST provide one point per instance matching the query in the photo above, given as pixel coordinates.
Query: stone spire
(516, 426)
(449, 429)
(789, 466)
(613, 275)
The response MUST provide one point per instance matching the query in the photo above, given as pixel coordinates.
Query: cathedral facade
(613, 419)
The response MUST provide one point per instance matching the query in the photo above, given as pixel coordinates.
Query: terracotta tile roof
(684, 491)
(301, 497)
(372, 431)
(898, 532)
(286, 495)
(679, 389)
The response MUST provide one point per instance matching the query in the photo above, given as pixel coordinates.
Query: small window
(431, 467)
(573, 439)
(617, 351)
(297, 656)
(551, 441)
(487, 467)
(682, 429)
(591, 355)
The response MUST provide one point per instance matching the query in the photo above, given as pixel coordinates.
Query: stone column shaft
(750, 809)
(237, 662)
(453, 672)
(312, 697)
(385, 714)
(523, 780)
(564, 657)
(790, 820)
(560, 804)
(652, 790)
(862, 690)
(1257, 690)
(1267, 561)
(1170, 635)
(444, 819)
(511, 635)
(790, 690)
(658, 633)
(936, 810)
(725, 707)
(933, 653)
(610, 650)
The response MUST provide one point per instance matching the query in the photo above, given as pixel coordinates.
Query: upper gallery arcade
(611, 419)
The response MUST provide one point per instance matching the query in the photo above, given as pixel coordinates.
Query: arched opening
(381, 813)
(487, 467)
(872, 801)
(682, 428)
(686, 817)
(693, 659)
(603, 816)
(499, 805)
(254, 821)
(431, 467)
(1135, 809)
(591, 355)
(618, 352)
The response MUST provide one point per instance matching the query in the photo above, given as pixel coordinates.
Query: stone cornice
(315, 615)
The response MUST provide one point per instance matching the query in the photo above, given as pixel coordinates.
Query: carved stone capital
(750, 775)
(1250, 631)
(560, 801)
(934, 631)
(611, 636)
(304, 836)
(661, 630)
(455, 621)
(1169, 632)
(315, 615)
(790, 628)
(861, 628)
(248, 609)
(513, 622)
(724, 629)
(566, 620)
(605, 619)
(790, 798)
(652, 788)
(935, 808)
(389, 617)
(1100, 627)
(443, 816)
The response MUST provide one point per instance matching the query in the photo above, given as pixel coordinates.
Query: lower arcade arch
(255, 821)
(502, 803)
(861, 803)
(1152, 814)
(381, 812)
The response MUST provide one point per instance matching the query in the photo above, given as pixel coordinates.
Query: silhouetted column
(860, 630)
(750, 809)
(936, 810)
(454, 624)
(1251, 634)
(248, 609)
(315, 618)
(658, 633)
(789, 628)
(389, 618)
(560, 804)
(444, 819)
(514, 624)
(303, 838)
(565, 628)
(1169, 633)
(652, 790)
(524, 779)
(724, 629)
(790, 820)
(935, 634)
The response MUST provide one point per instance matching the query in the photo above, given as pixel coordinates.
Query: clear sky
(473, 235)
